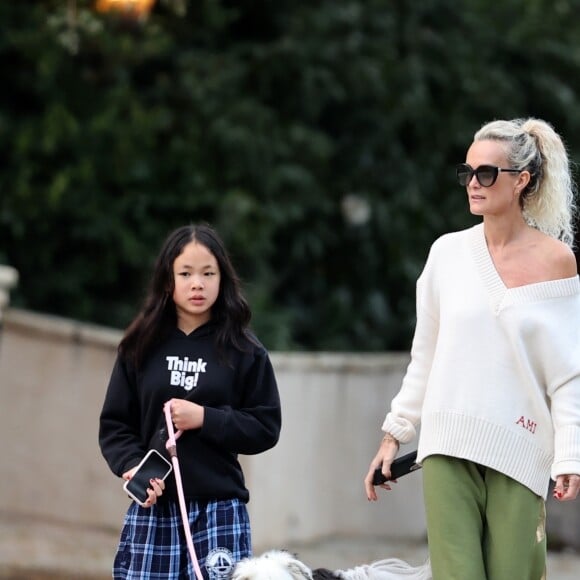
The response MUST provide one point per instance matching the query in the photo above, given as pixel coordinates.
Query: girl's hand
(129, 474)
(157, 486)
(383, 459)
(186, 415)
(567, 487)
(155, 491)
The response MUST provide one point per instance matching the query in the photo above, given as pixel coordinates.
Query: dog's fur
(272, 565)
(282, 565)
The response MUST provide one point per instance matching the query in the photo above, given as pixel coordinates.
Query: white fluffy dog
(282, 565)
(272, 565)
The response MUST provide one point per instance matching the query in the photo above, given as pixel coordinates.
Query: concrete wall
(53, 375)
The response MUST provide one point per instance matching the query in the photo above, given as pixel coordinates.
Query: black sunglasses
(486, 175)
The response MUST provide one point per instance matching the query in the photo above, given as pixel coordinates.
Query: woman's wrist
(388, 438)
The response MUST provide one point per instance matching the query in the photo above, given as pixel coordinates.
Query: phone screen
(153, 465)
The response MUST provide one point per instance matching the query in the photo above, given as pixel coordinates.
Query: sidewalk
(345, 553)
(50, 552)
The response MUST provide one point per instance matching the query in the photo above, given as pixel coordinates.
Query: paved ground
(343, 553)
(49, 552)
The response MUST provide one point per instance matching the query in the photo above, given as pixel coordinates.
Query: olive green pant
(481, 524)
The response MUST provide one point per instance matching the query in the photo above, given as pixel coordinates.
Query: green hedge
(318, 137)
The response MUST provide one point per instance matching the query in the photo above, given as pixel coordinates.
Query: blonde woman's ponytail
(533, 145)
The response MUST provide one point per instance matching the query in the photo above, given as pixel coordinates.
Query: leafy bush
(318, 137)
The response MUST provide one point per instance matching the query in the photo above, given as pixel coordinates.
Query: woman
(494, 377)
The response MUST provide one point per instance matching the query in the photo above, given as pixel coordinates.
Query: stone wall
(53, 376)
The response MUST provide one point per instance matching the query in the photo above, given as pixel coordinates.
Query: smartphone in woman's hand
(152, 466)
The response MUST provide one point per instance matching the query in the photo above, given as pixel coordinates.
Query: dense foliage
(318, 137)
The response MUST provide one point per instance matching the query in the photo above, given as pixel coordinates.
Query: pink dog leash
(171, 446)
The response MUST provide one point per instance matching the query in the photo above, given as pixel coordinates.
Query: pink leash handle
(171, 446)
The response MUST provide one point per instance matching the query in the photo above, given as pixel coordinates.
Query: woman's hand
(387, 452)
(186, 415)
(157, 486)
(567, 487)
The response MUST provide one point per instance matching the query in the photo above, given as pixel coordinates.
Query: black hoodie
(241, 412)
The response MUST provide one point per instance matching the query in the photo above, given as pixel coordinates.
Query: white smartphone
(152, 466)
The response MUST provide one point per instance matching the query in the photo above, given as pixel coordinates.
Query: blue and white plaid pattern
(153, 547)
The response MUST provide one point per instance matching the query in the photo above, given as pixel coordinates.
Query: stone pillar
(8, 279)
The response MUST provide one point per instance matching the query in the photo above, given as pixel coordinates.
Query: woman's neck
(501, 232)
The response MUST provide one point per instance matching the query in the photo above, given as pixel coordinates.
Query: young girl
(494, 376)
(189, 345)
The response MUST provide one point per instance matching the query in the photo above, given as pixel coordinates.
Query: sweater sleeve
(253, 426)
(406, 406)
(562, 349)
(119, 421)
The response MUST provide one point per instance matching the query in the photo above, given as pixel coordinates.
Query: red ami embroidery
(527, 424)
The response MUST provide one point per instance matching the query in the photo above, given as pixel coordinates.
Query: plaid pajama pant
(152, 545)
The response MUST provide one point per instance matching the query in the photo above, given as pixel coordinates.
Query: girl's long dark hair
(158, 318)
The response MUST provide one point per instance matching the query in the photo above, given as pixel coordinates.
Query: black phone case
(400, 466)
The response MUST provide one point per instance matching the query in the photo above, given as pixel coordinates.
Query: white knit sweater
(494, 375)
